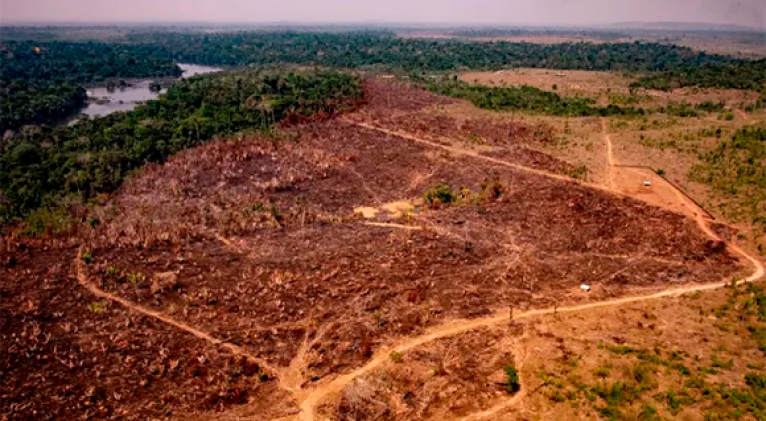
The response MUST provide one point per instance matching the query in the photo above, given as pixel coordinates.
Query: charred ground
(255, 241)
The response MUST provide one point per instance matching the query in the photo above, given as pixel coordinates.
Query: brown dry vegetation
(68, 355)
(255, 241)
(675, 144)
(745, 48)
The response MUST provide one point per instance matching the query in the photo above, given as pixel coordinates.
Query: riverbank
(104, 101)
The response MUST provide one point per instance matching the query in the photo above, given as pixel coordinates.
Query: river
(102, 101)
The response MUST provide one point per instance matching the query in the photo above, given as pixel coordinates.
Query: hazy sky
(524, 12)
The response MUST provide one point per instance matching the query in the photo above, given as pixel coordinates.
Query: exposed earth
(278, 278)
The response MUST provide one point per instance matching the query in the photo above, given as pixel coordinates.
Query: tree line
(42, 166)
(531, 99)
(362, 49)
(519, 32)
(671, 66)
(749, 75)
(46, 67)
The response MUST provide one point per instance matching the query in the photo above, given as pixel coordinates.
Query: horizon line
(613, 26)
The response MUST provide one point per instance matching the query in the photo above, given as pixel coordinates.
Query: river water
(102, 102)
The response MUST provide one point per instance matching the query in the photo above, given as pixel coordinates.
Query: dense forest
(361, 49)
(40, 167)
(88, 62)
(26, 102)
(745, 75)
(39, 81)
(674, 66)
(45, 65)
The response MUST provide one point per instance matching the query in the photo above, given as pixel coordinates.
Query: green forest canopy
(361, 49)
(32, 102)
(745, 75)
(89, 62)
(151, 54)
(40, 82)
(94, 156)
(674, 66)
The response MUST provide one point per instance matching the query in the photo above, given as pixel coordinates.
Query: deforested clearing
(254, 241)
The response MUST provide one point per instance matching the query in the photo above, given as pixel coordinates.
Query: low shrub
(512, 382)
(439, 195)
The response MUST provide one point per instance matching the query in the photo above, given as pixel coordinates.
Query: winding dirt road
(458, 327)
(82, 279)
(317, 395)
(609, 155)
(310, 399)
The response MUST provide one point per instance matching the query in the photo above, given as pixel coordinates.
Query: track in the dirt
(744, 115)
(611, 163)
(609, 155)
(468, 153)
(309, 404)
(310, 399)
(82, 279)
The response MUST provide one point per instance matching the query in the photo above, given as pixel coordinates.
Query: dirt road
(609, 155)
(458, 327)
(309, 399)
(317, 395)
(82, 279)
